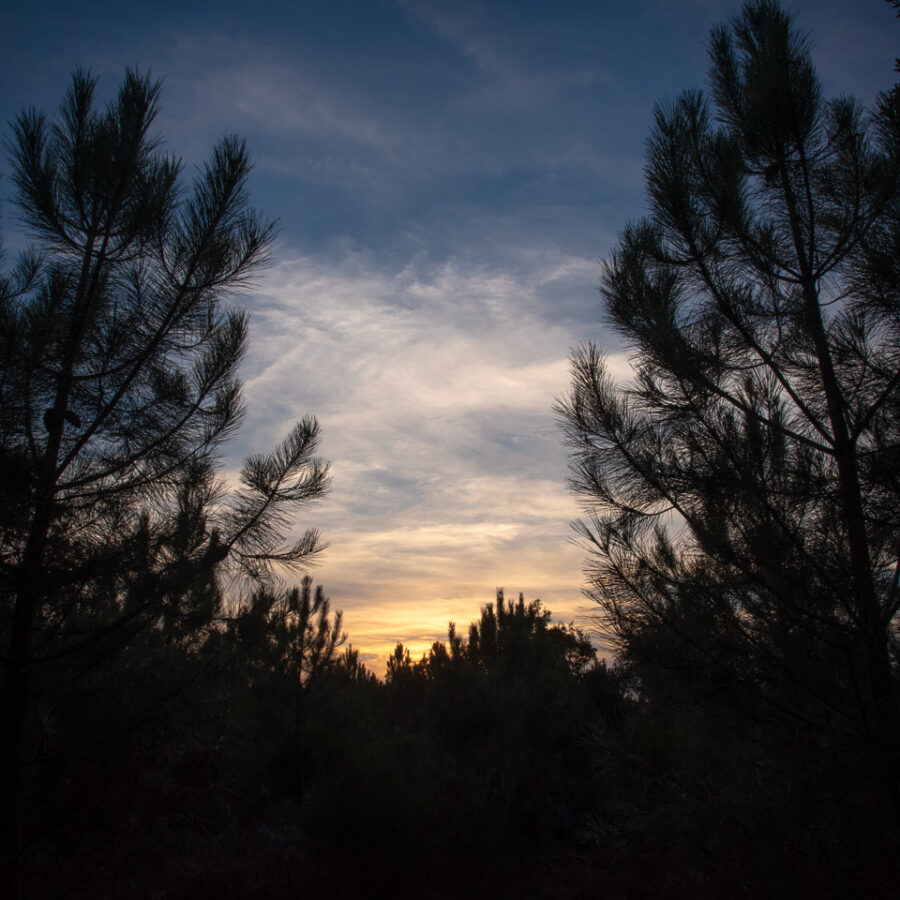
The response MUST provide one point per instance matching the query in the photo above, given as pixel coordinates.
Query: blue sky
(447, 177)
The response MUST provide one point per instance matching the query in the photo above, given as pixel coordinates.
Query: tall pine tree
(118, 385)
(742, 490)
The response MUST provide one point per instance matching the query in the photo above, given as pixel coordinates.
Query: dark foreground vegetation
(176, 722)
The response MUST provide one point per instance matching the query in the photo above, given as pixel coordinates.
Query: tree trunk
(881, 711)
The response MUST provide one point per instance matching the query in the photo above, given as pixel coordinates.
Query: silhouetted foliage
(118, 385)
(480, 747)
(742, 489)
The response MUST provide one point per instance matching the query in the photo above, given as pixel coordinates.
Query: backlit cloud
(447, 176)
(433, 385)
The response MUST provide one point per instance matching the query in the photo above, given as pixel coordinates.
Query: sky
(447, 176)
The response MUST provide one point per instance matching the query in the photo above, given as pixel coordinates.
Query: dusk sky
(447, 177)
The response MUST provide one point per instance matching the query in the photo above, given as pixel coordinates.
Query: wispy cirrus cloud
(433, 384)
(453, 170)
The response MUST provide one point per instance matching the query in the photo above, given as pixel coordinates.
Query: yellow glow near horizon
(402, 606)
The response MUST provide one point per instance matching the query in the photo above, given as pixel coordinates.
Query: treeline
(266, 758)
